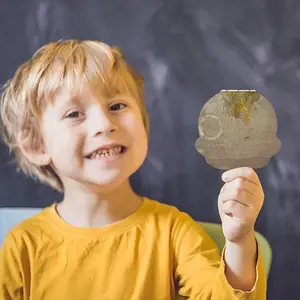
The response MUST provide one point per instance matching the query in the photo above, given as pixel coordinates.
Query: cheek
(131, 122)
(136, 129)
(141, 141)
(60, 141)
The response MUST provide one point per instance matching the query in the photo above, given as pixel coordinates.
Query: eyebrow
(71, 100)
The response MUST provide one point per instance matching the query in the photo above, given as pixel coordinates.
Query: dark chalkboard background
(188, 51)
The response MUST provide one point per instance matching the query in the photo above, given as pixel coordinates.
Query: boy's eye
(117, 106)
(74, 114)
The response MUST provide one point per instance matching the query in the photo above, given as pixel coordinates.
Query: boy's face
(92, 140)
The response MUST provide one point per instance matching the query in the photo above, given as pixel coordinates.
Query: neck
(90, 208)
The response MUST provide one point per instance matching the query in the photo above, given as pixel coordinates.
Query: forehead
(58, 86)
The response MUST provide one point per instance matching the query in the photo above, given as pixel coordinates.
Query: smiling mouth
(109, 152)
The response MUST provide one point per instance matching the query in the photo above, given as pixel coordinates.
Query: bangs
(73, 65)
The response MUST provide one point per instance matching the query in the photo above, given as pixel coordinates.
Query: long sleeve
(200, 271)
(11, 286)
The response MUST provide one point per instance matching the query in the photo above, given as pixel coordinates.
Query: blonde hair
(63, 64)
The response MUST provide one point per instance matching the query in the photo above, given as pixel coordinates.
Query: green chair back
(215, 232)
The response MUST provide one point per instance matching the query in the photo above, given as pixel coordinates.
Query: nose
(102, 122)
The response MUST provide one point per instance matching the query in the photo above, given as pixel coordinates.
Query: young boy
(75, 119)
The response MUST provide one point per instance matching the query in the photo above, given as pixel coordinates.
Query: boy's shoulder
(162, 210)
(25, 226)
(178, 223)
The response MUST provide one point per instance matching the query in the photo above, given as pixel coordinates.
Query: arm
(11, 286)
(201, 274)
(240, 202)
(240, 262)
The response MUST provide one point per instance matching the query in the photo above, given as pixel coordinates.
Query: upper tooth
(107, 151)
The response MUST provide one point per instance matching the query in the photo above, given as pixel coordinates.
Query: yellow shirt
(149, 255)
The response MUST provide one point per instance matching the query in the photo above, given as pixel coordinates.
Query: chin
(108, 186)
(108, 181)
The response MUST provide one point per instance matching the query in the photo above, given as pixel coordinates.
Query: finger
(223, 188)
(244, 172)
(241, 183)
(239, 195)
(235, 209)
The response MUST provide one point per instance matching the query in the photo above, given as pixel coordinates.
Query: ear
(34, 151)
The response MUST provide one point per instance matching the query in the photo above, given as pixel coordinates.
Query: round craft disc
(237, 128)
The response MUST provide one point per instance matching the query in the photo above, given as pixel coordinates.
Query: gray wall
(188, 51)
